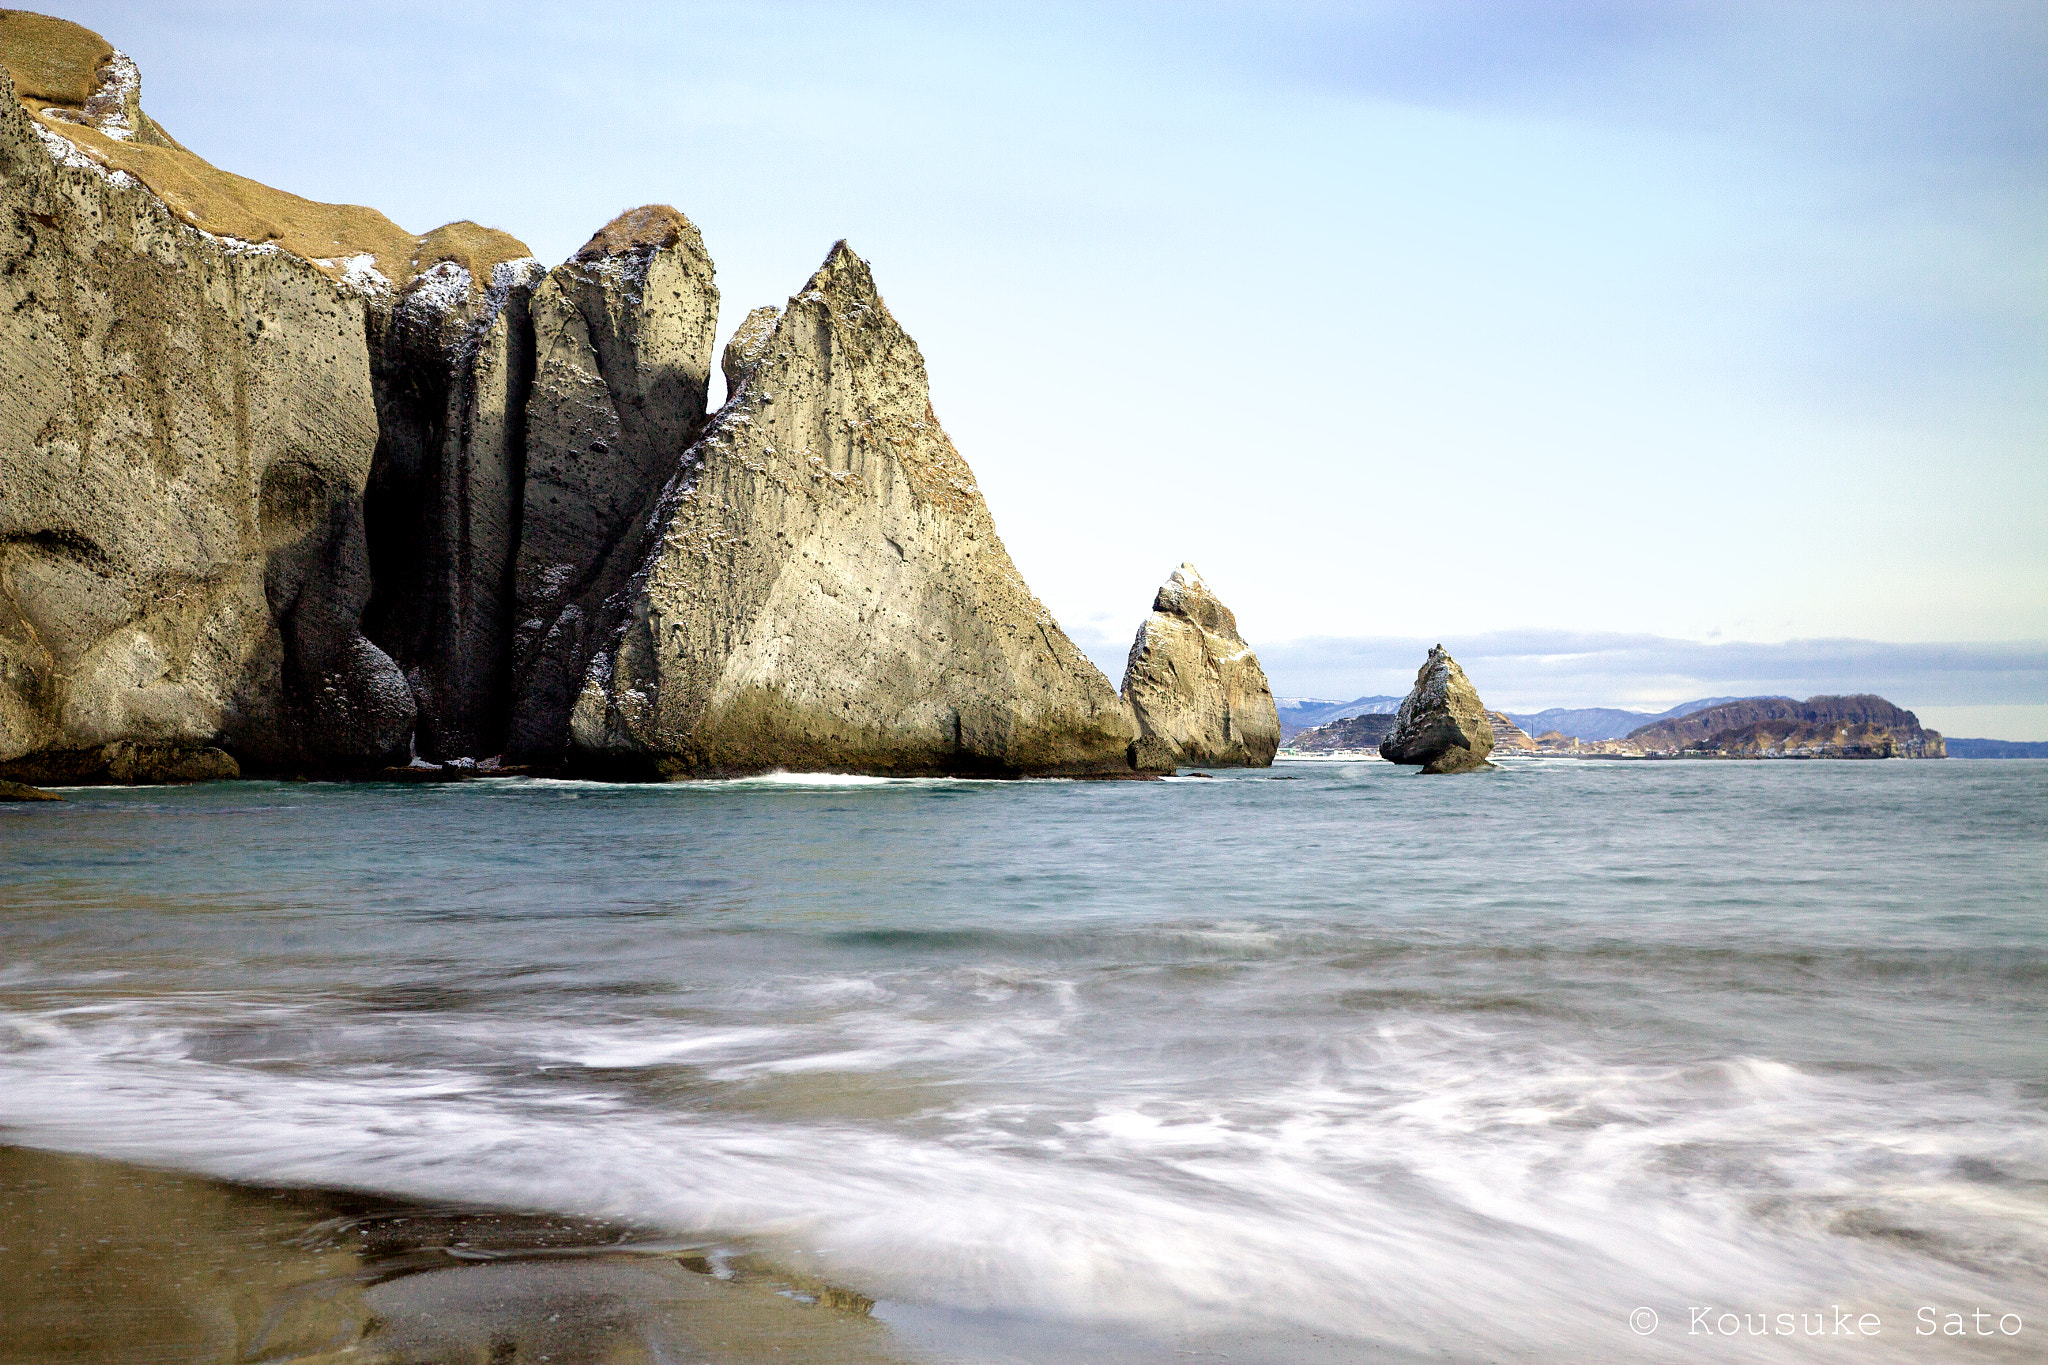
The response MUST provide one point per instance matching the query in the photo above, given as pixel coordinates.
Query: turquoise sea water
(1325, 1058)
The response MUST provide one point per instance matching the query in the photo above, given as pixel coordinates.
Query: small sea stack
(1442, 724)
(1196, 688)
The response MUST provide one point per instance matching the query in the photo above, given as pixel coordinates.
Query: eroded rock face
(1441, 724)
(1194, 685)
(283, 483)
(623, 335)
(824, 588)
(452, 367)
(185, 431)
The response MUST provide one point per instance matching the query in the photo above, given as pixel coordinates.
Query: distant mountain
(1305, 713)
(1604, 722)
(1997, 748)
(1860, 726)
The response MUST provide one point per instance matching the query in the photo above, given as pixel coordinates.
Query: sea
(1569, 1061)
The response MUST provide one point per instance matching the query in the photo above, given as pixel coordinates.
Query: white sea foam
(1092, 1055)
(1391, 1185)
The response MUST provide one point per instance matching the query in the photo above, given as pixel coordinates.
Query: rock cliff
(1442, 724)
(823, 587)
(1194, 685)
(186, 427)
(284, 485)
(451, 365)
(623, 334)
(259, 453)
(1859, 726)
(1828, 739)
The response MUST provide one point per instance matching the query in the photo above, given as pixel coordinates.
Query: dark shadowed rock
(21, 791)
(123, 764)
(1442, 724)
(452, 361)
(1195, 686)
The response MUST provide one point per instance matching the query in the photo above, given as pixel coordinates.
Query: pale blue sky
(1544, 322)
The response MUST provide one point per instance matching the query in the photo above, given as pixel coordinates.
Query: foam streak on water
(1472, 1066)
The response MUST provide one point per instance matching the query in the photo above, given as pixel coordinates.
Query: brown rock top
(649, 227)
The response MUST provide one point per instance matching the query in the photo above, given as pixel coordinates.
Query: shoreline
(115, 1259)
(125, 1261)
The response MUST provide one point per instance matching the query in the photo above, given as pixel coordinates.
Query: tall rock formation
(623, 334)
(823, 587)
(186, 427)
(1442, 724)
(1195, 687)
(197, 385)
(283, 484)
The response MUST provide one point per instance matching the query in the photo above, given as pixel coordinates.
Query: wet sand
(102, 1261)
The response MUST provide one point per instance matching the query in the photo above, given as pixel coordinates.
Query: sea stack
(823, 588)
(623, 336)
(1195, 687)
(1442, 724)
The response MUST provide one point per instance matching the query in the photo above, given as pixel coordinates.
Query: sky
(1636, 351)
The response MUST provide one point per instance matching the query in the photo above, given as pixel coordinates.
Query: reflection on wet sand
(103, 1261)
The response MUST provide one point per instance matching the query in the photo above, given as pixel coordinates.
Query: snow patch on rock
(120, 90)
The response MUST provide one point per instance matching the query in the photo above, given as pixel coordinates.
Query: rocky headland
(1195, 687)
(286, 488)
(1862, 726)
(1442, 724)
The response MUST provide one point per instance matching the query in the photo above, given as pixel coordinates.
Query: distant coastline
(1861, 726)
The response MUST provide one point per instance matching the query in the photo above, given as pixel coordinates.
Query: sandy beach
(103, 1260)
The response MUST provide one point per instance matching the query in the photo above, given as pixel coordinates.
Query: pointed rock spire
(1442, 724)
(822, 586)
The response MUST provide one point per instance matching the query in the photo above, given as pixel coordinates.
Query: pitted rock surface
(823, 587)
